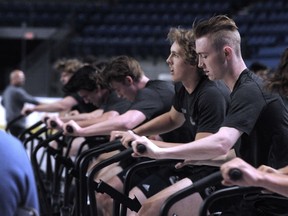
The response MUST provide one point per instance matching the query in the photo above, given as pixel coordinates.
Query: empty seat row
(274, 51)
(262, 40)
(125, 30)
(270, 5)
(270, 28)
(171, 6)
(143, 47)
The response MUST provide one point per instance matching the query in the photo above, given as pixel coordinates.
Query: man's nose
(86, 100)
(200, 64)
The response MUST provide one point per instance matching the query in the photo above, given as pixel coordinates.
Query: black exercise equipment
(137, 167)
(197, 186)
(81, 167)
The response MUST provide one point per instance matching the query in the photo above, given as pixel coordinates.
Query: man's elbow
(63, 108)
(129, 125)
(225, 144)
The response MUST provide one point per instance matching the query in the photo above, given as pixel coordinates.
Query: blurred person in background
(71, 101)
(279, 80)
(260, 69)
(13, 100)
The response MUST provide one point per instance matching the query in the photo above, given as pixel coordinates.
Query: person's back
(17, 185)
(260, 69)
(13, 99)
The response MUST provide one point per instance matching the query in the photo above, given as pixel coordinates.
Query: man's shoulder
(158, 88)
(158, 84)
(157, 81)
(249, 78)
(249, 82)
(10, 89)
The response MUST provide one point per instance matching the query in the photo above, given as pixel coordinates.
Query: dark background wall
(34, 34)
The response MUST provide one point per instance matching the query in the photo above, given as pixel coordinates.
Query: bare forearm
(284, 170)
(162, 144)
(273, 182)
(64, 104)
(206, 148)
(53, 107)
(79, 117)
(158, 125)
(97, 119)
(89, 122)
(101, 128)
(218, 161)
(203, 149)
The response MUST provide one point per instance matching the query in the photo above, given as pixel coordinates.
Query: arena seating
(139, 28)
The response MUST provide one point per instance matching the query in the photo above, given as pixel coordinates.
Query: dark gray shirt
(13, 100)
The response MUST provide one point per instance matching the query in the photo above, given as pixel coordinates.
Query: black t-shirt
(115, 103)
(263, 119)
(285, 100)
(205, 108)
(155, 99)
(112, 103)
(81, 106)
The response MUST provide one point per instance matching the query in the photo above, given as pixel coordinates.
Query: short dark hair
(86, 78)
(120, 67)
(221, 31)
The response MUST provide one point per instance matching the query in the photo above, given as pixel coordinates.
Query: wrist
(135, 132)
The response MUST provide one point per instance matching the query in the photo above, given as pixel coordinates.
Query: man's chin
(211, 78)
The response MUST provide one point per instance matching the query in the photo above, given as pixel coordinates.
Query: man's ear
(128, 80)
(227, 51)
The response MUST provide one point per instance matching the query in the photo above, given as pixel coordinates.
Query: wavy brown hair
(279, 80)
(185, 39)
(120, 67)
(68, 65)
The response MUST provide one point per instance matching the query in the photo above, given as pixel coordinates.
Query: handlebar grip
(235, 174)
(28, 112)
(141, 148)
(130, 143)
(45, 119)
(69, 129)
(53, 124)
